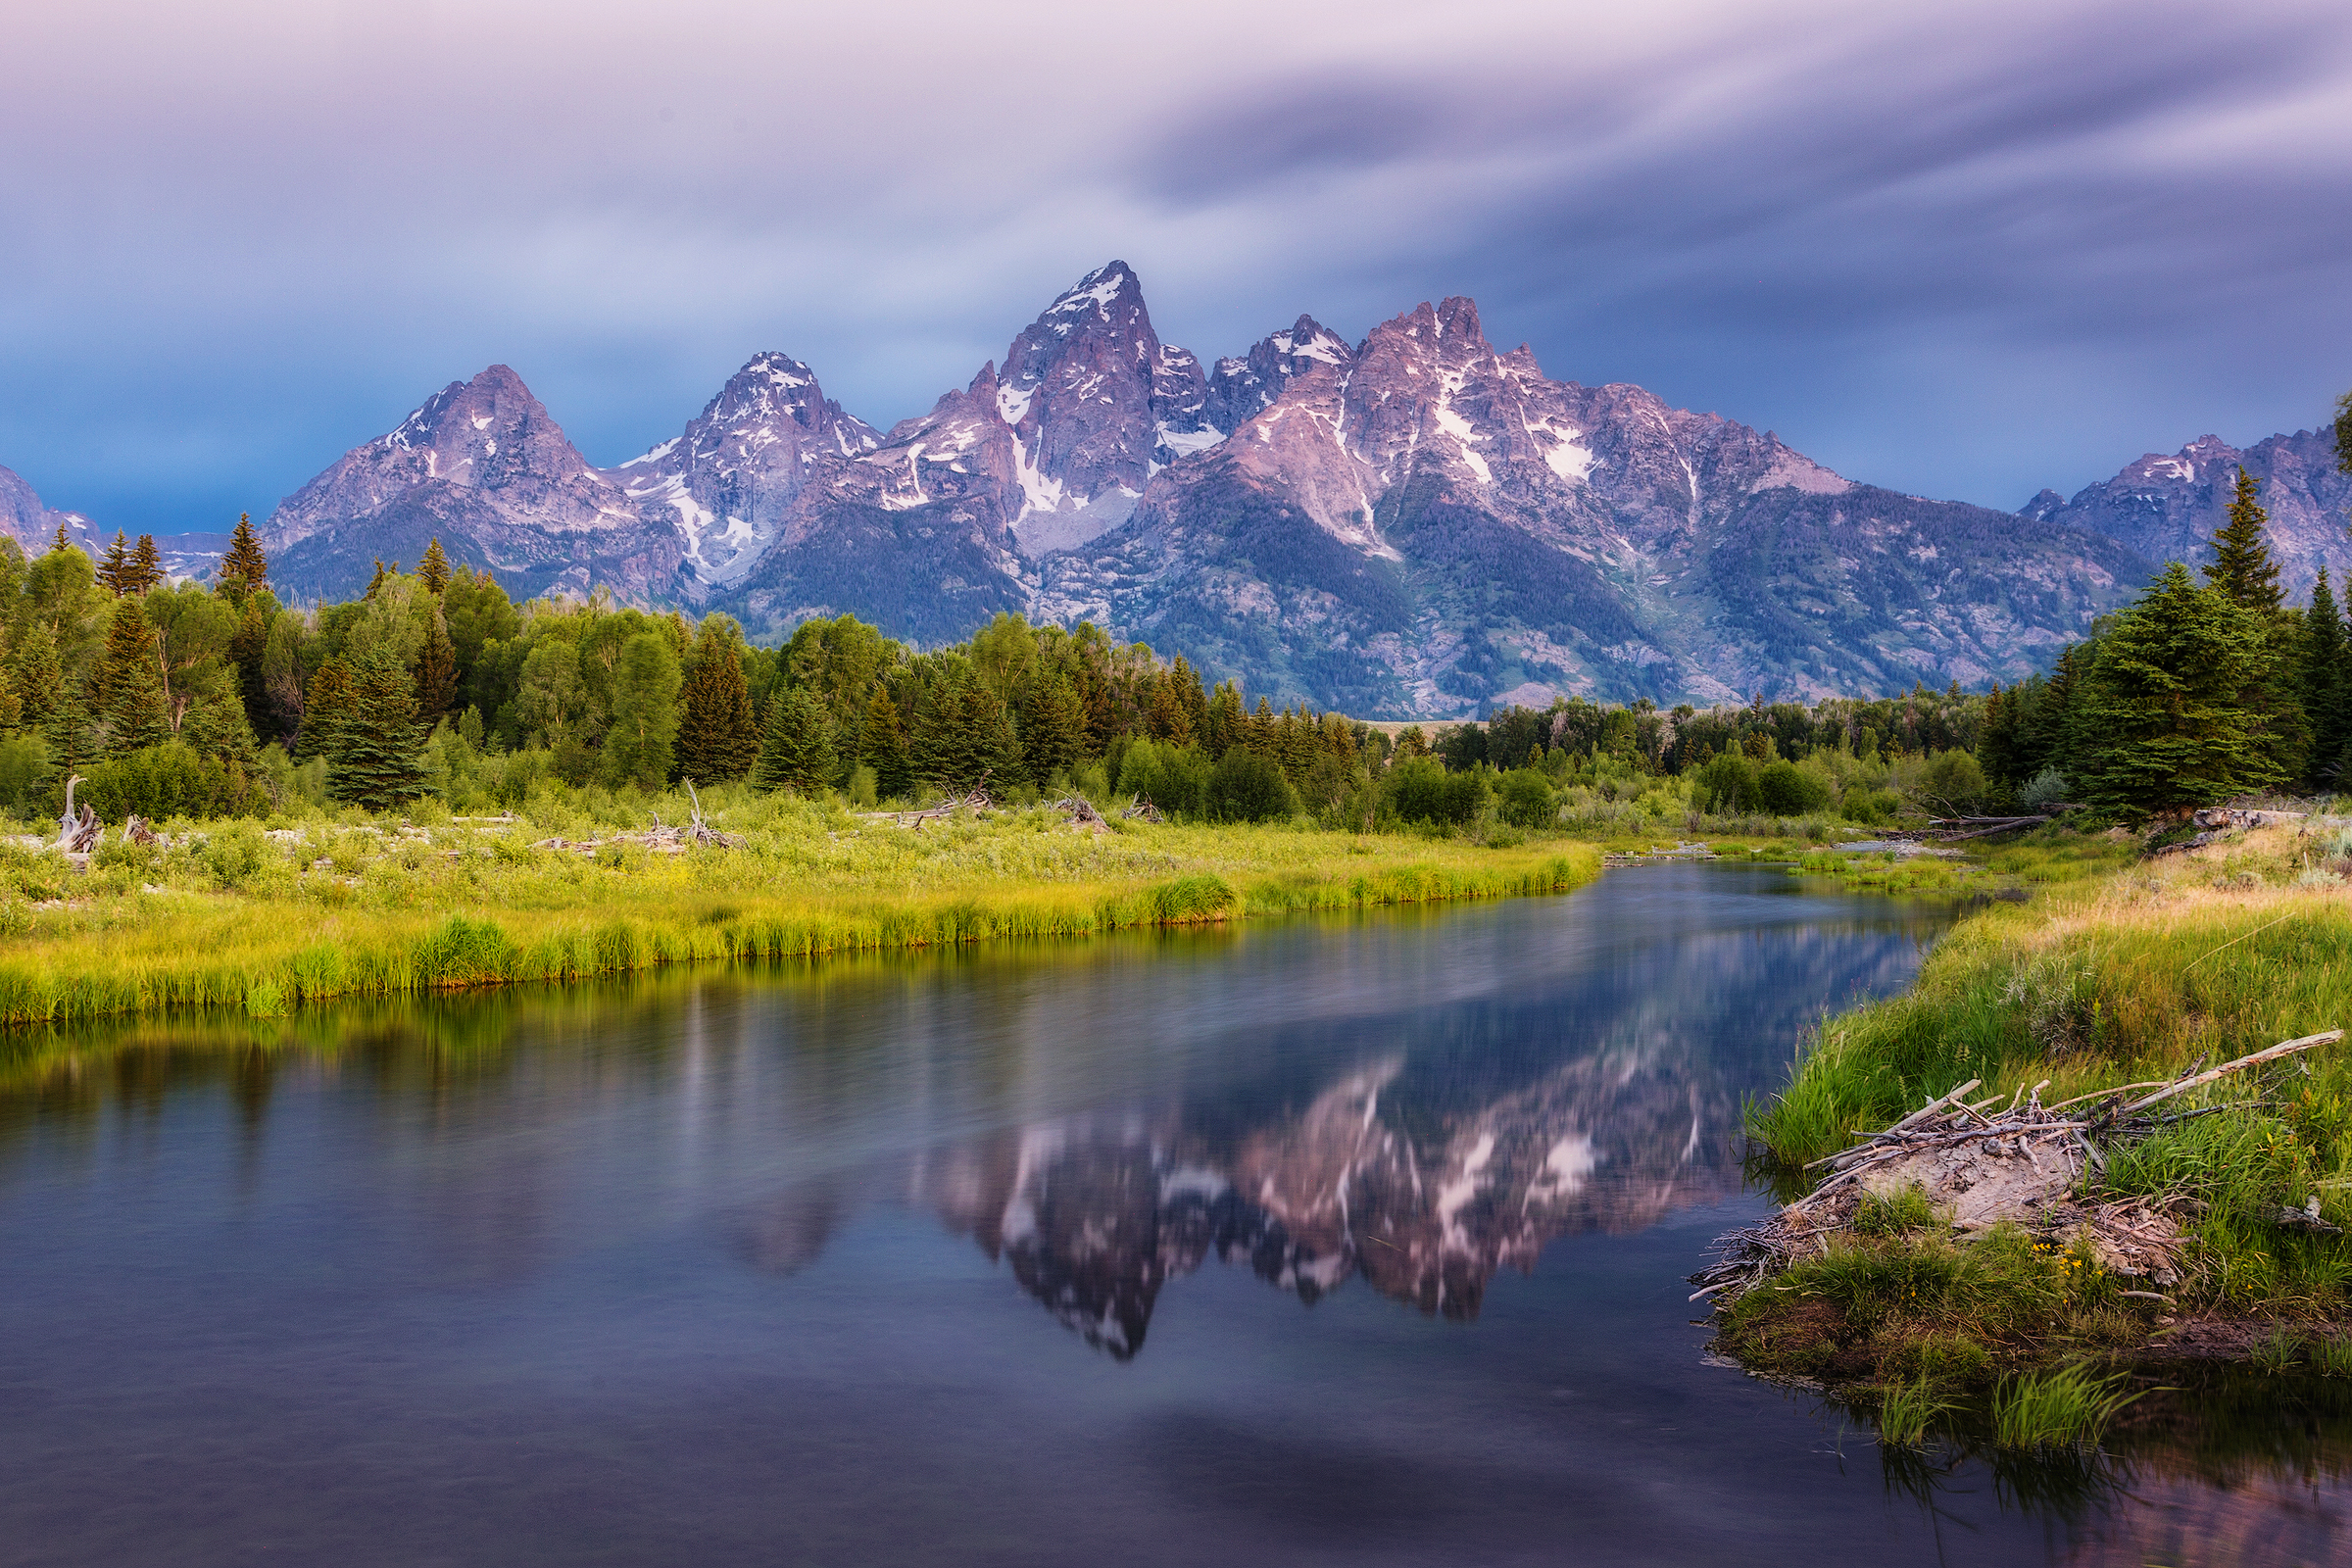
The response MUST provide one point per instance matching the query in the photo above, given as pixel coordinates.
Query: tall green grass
(392, 916)
(2067, 1407)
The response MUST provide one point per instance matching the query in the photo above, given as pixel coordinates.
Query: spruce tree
(1997, 749)
(146, 565)
(987, 749)
(2242, 568)
(796, 748)
(61, 541)
(114, 569)
(642, 736)
(245, 651)
(1053, 731)
(327, 706)
(436, 669)
(244, 568)
(126, 689)
(35, 673)
(1171, 717)
(2325, 697)
(719, 739)
(882, 747)
(2168, 707)
(433, 569)
(371, 755)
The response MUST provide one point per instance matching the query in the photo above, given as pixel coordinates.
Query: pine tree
(640, 738)
(61, 541)
(2325, 698)
(795, 749)
(327, 706)
(436, 669)
(1226, 723)
(1171, 717)
(372, 753)
(114, 569)
(433, 569)
(244, 568)
(2242, 568)
(719, 739)
(377, 582)
(2169, 704)
(146, 565)
(988, 749)
(882, 747)
(1051, 737)
(245, 651)
(1997, 749)
(126, 689)
(39, 682)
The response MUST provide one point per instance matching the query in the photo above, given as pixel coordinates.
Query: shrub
(166, 780)
(1871, 807)
(1245, 787)
(1172, 778)
(2043, 790)
(1951, 783)
(1788, 790)
(1422, 791)
(23, 771)
(1526, 799)
(234, 852)
(1727, 784)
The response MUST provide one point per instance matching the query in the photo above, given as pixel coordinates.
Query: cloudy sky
(1963, 251)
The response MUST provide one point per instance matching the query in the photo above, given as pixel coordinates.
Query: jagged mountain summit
(2168, 507)
(33, 524)
(1417, 525)
(482, 466)
(1427, 525)
(727, 483)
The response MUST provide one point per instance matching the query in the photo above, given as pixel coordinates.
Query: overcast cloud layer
(1963, 251)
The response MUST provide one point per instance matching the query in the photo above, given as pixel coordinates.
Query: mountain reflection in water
(748, 1266)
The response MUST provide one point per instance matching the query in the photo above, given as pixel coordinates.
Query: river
(1349, 1240)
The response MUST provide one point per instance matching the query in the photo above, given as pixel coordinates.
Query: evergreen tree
(2325, 698)
(1055, 727)
(1997, 750)
(126, 689)
(61, 541)
(244, 568)
(718, 737)
(2242, 568)
(327, 706)
(640, 739)
(436, 669)
(1171, 718)
(2169, 704)
(115, 568)
(146, 565)
(1226, 723)
(433, 569)
(796, 748)
(38, 681)
(882, 747)
(372, 753)
(2049, 734)
(245, 651)
(986, 746)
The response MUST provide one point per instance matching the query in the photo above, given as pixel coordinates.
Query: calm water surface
(1354, 1241)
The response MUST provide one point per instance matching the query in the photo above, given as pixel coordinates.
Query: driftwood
(976, 801)
(1985, 1163)
(699, 831)
(136, 831)
(77, 831)
(1141, 809)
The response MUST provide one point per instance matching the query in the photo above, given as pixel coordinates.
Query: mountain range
(1417, 524)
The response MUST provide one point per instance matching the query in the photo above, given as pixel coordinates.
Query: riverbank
(266, 917)
(2134, 974)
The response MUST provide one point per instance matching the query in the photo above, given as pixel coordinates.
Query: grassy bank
(264, 917)
(2112, 974)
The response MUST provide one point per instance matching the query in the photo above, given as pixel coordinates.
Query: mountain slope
(727, 483)
(33, 524)
(2167, 507)
(1428, 525)
(482, 466)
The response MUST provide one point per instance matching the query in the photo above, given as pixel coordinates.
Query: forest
(216, 700)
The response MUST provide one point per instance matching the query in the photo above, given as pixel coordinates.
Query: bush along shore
(2109, 1133)
(263, 917)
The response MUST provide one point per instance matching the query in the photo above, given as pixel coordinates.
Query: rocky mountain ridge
(33, 523)
(2167, 506)
(1416, 526)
